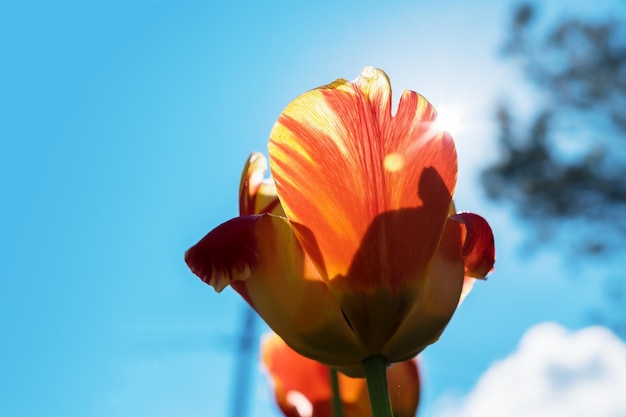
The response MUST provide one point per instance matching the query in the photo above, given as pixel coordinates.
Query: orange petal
(261, 258)
(404, 388)
(256, 194)
(436, 301)
(478, 245)
(302, 386)
(339, 159)
(293, 373)
(376, 315)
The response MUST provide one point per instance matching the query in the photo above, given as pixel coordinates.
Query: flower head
(303, 389)
(363, 255)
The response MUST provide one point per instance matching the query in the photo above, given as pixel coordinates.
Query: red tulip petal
(228, 253)
(339, 159)
(468, 284)
(478, 245)
(261, 258)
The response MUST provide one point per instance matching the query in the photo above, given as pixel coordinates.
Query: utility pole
(246, 349)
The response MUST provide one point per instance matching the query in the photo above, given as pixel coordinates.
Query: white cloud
(554, 373)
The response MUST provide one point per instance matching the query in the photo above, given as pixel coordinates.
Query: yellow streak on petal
(307, 127)
(422, 105)
(281, 131)
(320, 118)
(393, 162)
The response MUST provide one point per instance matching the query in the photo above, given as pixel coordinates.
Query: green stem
(375, 367)
(337, 404)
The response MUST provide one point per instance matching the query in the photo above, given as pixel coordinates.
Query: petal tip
(227, 253)
(478, 245)
(257, 194)
(369, 73)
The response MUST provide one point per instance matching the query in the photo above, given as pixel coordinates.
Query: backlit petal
(292, 372)
(404, 388)
(468, 281)
(261, 258)
(228, 253)
(339, 159)
(478, 245)
(257, 194)
(376, 315)
(302, 386)
(435, 303)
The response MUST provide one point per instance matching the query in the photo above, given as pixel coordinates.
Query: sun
(450, 119)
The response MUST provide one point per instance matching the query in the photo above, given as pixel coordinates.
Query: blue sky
(124, 126)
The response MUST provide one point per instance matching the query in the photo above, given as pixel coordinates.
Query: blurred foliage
(562, 167)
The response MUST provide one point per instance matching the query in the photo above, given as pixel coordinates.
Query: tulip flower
(363, 258)
(302, 386)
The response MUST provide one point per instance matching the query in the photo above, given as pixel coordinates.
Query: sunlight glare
(300, 402)
(449, 118)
